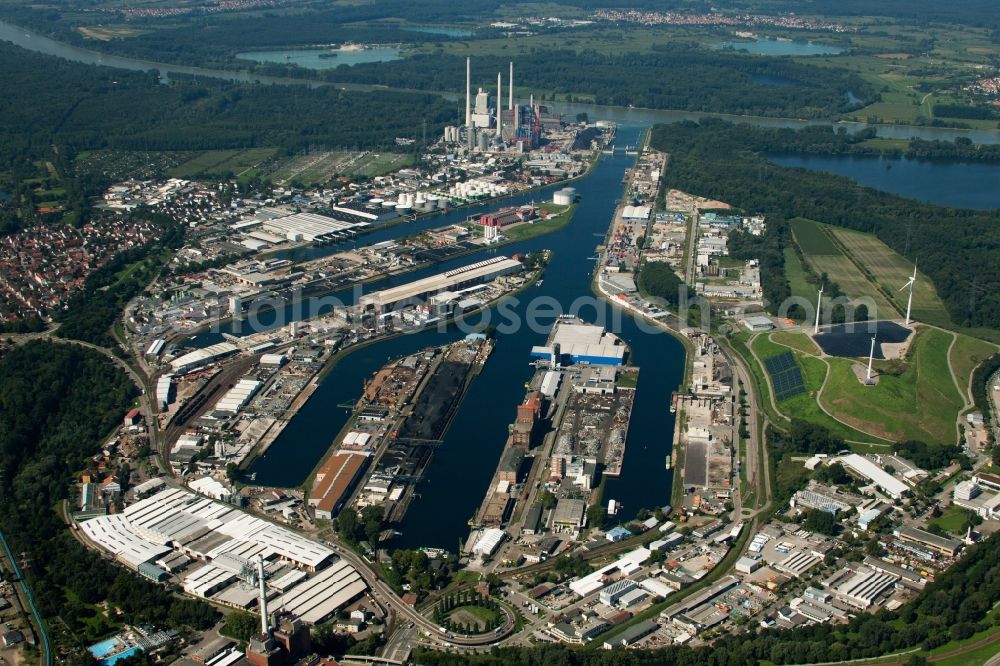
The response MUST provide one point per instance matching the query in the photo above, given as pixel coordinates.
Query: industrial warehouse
(572, 342)
(277, 225)
(206, 546)
(414, 292)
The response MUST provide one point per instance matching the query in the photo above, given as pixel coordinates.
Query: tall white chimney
(264, 620)
(510, 92)
(499, 103)
(468, 92)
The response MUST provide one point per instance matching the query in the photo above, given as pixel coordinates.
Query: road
(692, 246)
(28, 601)
(386, 596)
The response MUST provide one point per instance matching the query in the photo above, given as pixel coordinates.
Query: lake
(780, 47)
(947, 183)
(447, 32)
(320, 58)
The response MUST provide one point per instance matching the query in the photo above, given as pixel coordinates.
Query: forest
(57, 403)
(49, 101)
(659, 280)
(959, 250)
(677, 75)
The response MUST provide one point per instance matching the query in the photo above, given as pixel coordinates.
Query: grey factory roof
(435, 283)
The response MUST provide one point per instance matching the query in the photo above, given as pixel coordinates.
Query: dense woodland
(958, 249)
(49, 101)
(57, 402)
(658, 279)
(677, 75)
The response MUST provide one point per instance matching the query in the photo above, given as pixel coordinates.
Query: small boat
(253, 477)
(668, 462)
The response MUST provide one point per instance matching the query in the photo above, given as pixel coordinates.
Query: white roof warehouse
(223, 538)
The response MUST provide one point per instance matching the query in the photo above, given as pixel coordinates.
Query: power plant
(491, 128)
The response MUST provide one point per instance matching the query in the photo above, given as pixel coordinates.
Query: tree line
(49, 101)
(675, 75)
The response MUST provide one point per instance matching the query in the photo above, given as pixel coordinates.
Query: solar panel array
(786, 377)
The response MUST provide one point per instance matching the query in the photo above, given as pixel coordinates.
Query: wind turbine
(819, 308)
(909, 299)
(871, 356)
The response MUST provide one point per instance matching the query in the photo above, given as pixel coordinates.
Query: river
(39, 43)
(942, 182)
(458, 477)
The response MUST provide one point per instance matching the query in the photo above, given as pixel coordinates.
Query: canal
(458, 477)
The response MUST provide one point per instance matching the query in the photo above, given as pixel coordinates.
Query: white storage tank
(562, 198)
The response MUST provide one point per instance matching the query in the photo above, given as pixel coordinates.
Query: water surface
(780, 47)
(317, 58)
(463, 465)
(943, 182)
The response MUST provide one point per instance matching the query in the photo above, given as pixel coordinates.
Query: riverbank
(659, 320)
(39, 43)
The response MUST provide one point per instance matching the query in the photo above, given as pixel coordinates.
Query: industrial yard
(569, 432)
(404, 412)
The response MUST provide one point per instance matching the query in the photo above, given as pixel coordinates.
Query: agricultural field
(890, 271)
(796, 276)
(222, 163)
(895, 408)
(824, 256)
(125, 164)
(321, 167)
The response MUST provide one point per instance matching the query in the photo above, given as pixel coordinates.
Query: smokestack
(510, 97)
(468, 92)
(264, 628)
(499, 103)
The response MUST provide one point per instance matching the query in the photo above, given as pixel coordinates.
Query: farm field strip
(891, 271)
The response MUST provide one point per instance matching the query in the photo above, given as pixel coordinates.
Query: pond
(321, 58)
(431, 30)
(780, 47)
